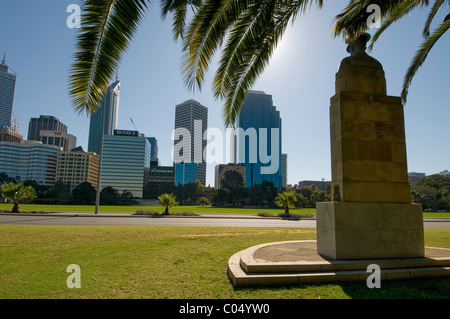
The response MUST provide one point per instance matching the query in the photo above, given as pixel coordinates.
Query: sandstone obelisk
(371, 214)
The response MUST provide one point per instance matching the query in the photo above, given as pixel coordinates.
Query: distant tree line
(234, 193)
(82, 194)
(433, 192)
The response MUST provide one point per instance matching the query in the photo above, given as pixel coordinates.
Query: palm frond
(353, 19)
(204, 35)
(393, 15)
(179, 10)
(107, 27)
(421, 56)
(251, 31)
(434, 9)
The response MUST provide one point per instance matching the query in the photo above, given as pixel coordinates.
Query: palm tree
(167, 201)
(107, 27)
(286, 200)
(248, 31)
(17, 192)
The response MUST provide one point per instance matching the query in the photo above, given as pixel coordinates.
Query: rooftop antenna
(4, 58)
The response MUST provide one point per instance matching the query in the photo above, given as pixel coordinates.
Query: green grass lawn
(165, 262)
(194, 209)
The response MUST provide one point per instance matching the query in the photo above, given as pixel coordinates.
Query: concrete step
(246, 270)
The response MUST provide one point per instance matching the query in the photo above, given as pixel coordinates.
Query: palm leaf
(179, 9)
(421, 56)
(107, 27)
(353, 18)
(251, 31)
(434, 9)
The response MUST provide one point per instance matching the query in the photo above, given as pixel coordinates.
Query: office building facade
(44, 123)
(60, 139)
(9, 135)
(258, 140)
(109, 105)
(125, 162)
(77, 166)
(161, 175)
(191, 122)
(7, 89)
(29, 160)
(284, 170)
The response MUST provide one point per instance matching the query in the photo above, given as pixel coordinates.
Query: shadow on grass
(436, 288)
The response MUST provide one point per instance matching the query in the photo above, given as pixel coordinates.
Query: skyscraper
(191, 122)
(110, 105)
(125, 162)
(7, 89)
(258, 138)
(44, 123)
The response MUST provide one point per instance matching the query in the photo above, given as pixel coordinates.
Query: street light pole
(102, 133)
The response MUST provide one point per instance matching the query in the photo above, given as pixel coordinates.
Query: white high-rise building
(110, 105)
(191, 119)
(7, 89)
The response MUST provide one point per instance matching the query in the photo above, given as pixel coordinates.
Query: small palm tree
(167, 201)
(286, 200)
(17, 192)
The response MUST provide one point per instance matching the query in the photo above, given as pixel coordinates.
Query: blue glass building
(258, 137)
(186, 173)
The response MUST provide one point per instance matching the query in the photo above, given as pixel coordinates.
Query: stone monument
(371, 214)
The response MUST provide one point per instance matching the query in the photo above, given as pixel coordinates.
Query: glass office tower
(7, 89)
(125, 162)
(258, 140)
(29, 160)
(110, 103)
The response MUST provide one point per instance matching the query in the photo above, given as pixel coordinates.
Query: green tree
(58, 192)
(17, 192)
(109, 195)
(433, 192)
(233, 182)
(167, 201)
(204, 201)
(286, 200)
(301, 201)
(319, 196)
(84, 193)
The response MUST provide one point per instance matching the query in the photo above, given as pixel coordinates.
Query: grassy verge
(165, 262)
(176, 209)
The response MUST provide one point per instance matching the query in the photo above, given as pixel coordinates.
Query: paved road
(89, 219)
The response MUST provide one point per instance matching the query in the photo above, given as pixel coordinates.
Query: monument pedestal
(369, 230)
(371, 215)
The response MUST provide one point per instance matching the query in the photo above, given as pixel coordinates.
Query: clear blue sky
(39, 47)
